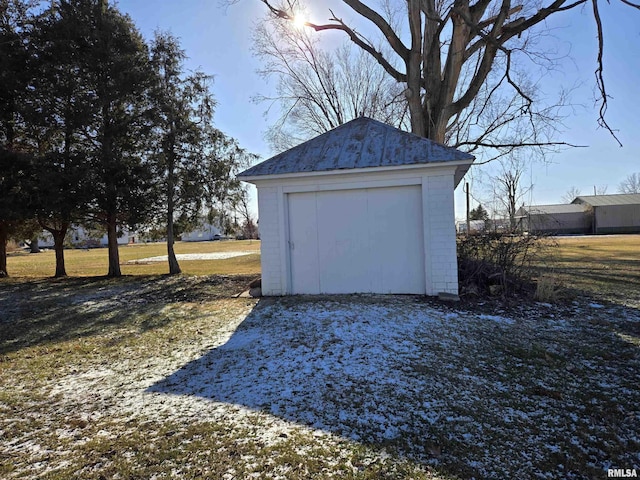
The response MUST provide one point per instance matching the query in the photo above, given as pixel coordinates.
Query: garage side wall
(441, 261)
(270, 236)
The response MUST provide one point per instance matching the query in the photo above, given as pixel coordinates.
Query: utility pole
(466, 190)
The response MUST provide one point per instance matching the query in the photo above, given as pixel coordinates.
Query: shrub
(546, 289)
(494, 262)
(12, 246)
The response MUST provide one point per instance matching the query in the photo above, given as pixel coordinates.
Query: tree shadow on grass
(36, 312)
(481, 396)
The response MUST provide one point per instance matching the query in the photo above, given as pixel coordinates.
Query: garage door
(361, 240)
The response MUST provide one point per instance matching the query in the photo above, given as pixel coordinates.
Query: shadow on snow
(478, 392)
(313, 372)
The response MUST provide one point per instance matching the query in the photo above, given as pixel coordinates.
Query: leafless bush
(12, 246)
(493, 263)
(547, 289)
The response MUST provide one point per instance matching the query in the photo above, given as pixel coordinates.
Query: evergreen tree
(16, 163)
(14, 20)
(183, 106)
(193, 159)
(479, 213)
(16, 190)
(117, 59)
(61, 112)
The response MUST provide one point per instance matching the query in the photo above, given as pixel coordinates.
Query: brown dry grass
(605, 266)
(531, 395)
(94, 262)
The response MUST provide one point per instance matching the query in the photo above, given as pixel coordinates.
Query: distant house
(79, 237)
(555, 219)
(613, 213)
(204, 233)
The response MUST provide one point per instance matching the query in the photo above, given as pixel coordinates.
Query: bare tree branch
(354, 37)
(631, 184)
(455, 48)
(520, 144)
(317, 89)
(631, 4)
(394, 41)
(599, 73)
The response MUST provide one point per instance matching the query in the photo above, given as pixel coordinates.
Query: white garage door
(362, 240)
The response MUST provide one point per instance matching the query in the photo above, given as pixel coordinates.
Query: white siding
(440, 234)
(366, 240)
(434, 184)
(270, 248)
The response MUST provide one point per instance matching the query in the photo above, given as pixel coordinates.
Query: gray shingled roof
(552, 209)
(360, 143)
(602, 200)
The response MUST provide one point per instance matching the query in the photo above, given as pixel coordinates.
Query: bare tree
(631, 184)
(249, 229)
(318, 89)
(600, 189)
(571, 194)
(462, 56)
(507, 188)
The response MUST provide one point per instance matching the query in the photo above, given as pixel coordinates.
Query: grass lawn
(108, 341)
(605, 266)
(94, 262)
(152, 376)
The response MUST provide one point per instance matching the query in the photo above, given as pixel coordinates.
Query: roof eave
(462, 166)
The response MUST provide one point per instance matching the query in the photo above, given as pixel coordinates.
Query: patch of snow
(196, 256)
(497, 318)
(374, 371)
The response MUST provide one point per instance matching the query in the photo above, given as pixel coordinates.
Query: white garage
(364, 208)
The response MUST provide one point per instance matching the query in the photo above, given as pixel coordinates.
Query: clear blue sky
(217, 40)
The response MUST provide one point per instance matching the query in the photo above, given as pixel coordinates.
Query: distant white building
(80, 237)
(474, 225)
(204, 233)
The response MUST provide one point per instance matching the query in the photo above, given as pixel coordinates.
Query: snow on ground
(495, 395)
(195, 256)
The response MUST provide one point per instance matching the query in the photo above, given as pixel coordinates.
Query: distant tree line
(100, 128)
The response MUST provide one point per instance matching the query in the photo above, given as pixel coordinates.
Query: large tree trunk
(58, 235)
(174, 267)
(33, 245)
(4, 237)
(58, 245)
(413, 62)
(112, 241)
